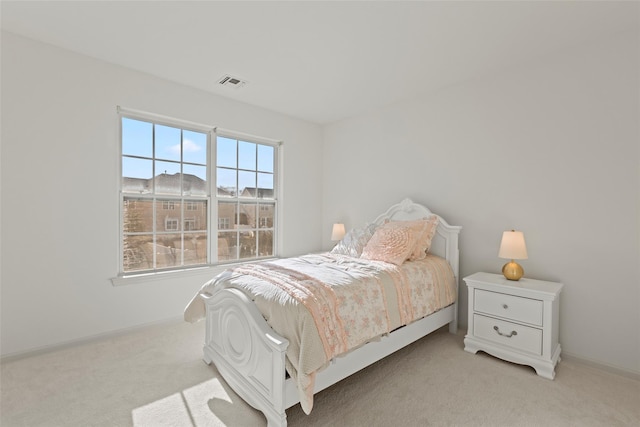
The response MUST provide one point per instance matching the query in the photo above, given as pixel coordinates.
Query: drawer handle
(495, 328)
(505, 306)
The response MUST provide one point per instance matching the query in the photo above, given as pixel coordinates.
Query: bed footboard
(247, 352)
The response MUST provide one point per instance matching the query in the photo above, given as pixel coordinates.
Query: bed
(273, 373)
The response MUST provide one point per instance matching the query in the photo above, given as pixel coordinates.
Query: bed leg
(277, 420)
(207, 355)
(453, 325)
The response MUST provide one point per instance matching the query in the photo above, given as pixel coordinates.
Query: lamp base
(512, 270)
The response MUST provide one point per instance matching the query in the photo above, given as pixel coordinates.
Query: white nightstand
(515, 321)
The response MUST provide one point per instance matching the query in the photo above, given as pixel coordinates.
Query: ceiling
(319, 61)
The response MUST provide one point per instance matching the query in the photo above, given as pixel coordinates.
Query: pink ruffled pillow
(392, 242)
(427, 229)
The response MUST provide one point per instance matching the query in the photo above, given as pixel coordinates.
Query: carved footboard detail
(247, 352)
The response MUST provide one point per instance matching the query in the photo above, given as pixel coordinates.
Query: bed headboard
(445, 241)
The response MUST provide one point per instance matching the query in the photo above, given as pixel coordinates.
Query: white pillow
(354, 241)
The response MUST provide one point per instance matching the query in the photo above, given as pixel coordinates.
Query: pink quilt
(327, 304)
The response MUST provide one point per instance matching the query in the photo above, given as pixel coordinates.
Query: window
(164, 170)
(245, 176)
(171, 224)
(169, 210)
(190, 224)
(224, 223)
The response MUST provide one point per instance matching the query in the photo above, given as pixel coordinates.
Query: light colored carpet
(155, 377)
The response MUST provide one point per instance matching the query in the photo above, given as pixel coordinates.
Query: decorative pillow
(354, 241)
(418, 228)
(392, 242)
(423, 242)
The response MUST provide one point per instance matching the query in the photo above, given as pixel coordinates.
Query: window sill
(207, 272)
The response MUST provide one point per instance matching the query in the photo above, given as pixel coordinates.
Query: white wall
(552, 149)
(60, 191)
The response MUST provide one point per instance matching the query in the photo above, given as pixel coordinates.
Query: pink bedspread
(327, 304)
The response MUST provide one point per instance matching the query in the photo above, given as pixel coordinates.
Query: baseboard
(88, 339)
(570, 357)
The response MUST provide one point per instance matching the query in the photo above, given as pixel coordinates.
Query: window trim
(170, 221)
(158, 119)
(212, 132)
(277, 185)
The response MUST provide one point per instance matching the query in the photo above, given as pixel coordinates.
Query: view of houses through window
(171, 219)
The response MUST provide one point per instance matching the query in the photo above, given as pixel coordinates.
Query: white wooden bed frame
(251, 356)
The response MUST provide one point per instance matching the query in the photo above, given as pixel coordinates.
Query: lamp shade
(513, 245)
(338, 232)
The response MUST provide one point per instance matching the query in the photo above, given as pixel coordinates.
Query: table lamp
(338, 232)
(513, 247)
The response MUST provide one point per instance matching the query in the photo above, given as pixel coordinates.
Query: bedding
(328, 304)
(424, 237)
(392, 243)
(399, 241)
(354, 241)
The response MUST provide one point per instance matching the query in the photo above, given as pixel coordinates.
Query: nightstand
(514, 320)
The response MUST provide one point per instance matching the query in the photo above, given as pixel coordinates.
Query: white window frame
(170, 221)
(224, 224)
(277, 227)
(211, 199)
(167, 205)
(190, 220)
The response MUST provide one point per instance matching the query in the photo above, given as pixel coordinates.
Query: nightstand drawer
(519, 337)
(509, 307)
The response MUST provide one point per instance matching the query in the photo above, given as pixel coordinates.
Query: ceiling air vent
(231, 81)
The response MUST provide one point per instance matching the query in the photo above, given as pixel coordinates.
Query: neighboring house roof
(135, 185)
(262, 193)
(223, 191)
(192, 185)
(166, 183)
